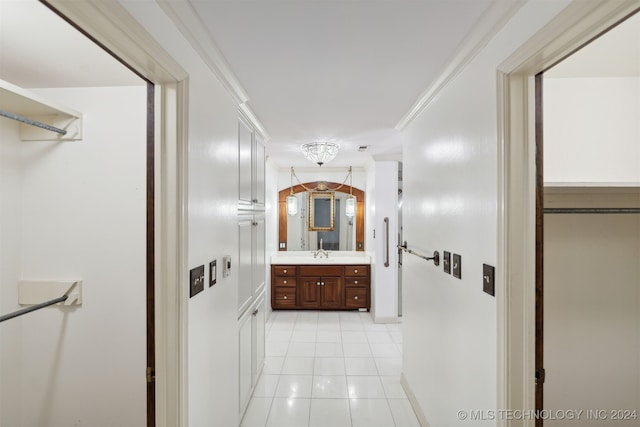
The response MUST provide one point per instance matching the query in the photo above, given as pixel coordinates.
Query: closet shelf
(609, 195)
(16, 101)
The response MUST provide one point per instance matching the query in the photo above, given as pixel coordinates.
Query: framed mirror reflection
(321, 215)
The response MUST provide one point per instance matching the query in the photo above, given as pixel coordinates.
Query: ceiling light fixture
(320, 152)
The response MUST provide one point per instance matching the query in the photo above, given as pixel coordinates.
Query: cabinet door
(309, 292)
(258, 329)
(246, 360)
(245, 144)
(258, 254)
(331, 292)
(245, 268)
(259, 167)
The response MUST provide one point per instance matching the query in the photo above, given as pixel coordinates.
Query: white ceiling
(343, 71)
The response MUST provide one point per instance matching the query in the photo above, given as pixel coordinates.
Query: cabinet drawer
(356, 298)
(356, 270)
(284, 296)
(284, 270)
(284, 281)
(322, 270)
(356, 281)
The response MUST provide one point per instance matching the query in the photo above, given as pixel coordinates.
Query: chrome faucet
(320, 251)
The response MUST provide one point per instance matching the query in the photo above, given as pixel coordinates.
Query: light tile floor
(330, 369)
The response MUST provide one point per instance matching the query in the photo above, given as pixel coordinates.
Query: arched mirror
(321, 215)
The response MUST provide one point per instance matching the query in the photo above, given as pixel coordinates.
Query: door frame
(110, 24)
(578, 24)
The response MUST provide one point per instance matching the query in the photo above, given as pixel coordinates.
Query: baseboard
(386, 320)
(414, 402)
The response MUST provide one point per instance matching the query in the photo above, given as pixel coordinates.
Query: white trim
(187, 21)
(577, 24)
(172, 249)
(417, 409)
(110, 24)
(490, 22)
(388, 319)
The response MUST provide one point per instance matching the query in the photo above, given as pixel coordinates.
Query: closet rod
(32, 122)
(592, 210)
(33, 308)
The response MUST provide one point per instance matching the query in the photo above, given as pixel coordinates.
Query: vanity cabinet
(357, 286)
(320, 287)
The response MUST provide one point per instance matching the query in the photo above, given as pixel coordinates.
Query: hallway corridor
(330, 369)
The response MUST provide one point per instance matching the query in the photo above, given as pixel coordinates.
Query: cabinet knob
(355, 271)
(284, 281)
(355, 281)
(284, 270)
(356, 297)
(321, 283)
(285, 297)
(317, 283)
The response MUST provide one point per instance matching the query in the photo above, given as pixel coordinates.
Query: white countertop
(334, 258)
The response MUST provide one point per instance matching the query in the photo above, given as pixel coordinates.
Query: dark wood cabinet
(320, 287)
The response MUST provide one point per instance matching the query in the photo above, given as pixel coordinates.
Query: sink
(306, 257)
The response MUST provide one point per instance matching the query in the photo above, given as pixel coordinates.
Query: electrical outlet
(488, 279)
(446, 260)
(196, 281)
(457, 266)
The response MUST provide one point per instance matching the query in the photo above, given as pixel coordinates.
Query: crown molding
(492, 20)
(188, 22)
(249, 115)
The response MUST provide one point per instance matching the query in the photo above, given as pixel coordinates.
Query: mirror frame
(313, 195)
(282, 209)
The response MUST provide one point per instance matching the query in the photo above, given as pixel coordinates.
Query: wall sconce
(350, 203)
(292, 200)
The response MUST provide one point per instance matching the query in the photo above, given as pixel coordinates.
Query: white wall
(77, 210)
(450, 203)
(271, 224)
(213, 232)
(591, 129)
(10, 268)
(383, 177)
(592, 315)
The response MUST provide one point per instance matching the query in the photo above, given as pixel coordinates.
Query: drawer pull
(285, 270)
(356, 297)
(284, 281)
(355, 281)
(355, 271)
(285, 297)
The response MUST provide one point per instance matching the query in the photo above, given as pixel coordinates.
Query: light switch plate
(213, 272)
(457, 266)
(488, 279)
(226, 266)
(446, 260)
(196, 281)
